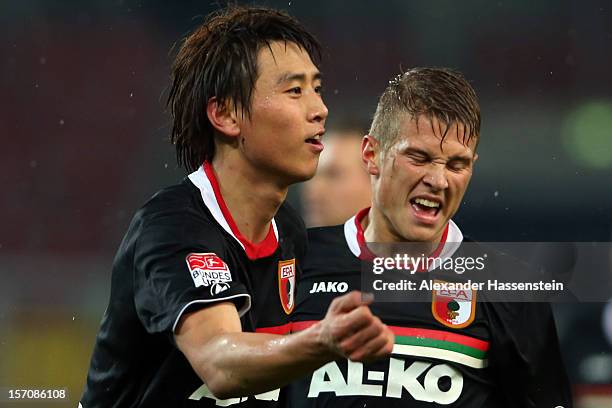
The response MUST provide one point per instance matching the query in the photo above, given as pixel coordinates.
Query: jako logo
(218, 287)
(329, 287)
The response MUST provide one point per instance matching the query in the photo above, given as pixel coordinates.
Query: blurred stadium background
(83, 133)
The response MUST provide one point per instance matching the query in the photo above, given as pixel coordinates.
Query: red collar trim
(440, 246)
(366, 254)
(253, 250)
(364, 251)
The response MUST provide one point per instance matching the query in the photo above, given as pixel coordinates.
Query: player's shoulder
(177, 211)
(175, 198)
(328, 252)
(327, 244)
(503, 267)
(182, 199)
(498, 261)
(325, 236)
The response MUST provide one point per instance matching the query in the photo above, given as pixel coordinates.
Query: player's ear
(223, 117)
(370, 152)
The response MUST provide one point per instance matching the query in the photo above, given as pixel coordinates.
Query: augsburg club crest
(286, 284)
(454, 308)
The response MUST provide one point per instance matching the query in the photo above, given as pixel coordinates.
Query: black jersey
(493, 355)
(182, 252)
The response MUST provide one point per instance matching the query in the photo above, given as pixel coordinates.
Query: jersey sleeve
(526, 358)
(181, 264)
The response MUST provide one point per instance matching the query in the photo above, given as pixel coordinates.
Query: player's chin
(295, 170)
(305, 170)
(418, 232)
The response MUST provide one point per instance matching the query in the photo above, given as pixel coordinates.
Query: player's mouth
(426, 210)
(315, 141)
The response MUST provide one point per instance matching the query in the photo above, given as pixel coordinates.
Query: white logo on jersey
(207, 269)
(329, 287)
(204, 392)
(329, 378)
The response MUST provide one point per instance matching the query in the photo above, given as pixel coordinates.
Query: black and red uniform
(486, 354)
(183, 252)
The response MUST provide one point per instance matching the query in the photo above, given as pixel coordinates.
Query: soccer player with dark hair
(203, 282)
(450, 349)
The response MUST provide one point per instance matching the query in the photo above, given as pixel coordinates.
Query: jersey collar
(354, 236)
(205, 180)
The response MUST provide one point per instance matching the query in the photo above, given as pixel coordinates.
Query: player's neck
(250, 198)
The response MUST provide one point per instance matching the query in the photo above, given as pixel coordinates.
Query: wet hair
(219, 59)
(439, 93)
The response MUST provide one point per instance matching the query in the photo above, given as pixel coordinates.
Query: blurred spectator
(341, 186)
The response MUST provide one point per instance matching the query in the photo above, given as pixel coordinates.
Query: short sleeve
(182, 263)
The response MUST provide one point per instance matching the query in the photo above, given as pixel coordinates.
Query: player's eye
(319, 89)
(418, 159)
(457, 165)
(295, 90)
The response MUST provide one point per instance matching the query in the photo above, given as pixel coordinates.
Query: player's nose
(317, 110)
(435, 177)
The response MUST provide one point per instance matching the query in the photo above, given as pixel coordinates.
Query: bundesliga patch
(454, 308)
(286, 284)
(208, 269)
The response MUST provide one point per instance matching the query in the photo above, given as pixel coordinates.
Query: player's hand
(350, 330)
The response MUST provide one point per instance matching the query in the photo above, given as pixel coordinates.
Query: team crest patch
(209, 270)
(286, 284)
(454, 308)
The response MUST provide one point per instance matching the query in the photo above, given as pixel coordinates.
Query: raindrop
(131, 94)
(496, 193)
(33, 164)
(73, 318)
(336, 92)
(35, 85)
(165, 165)
(42, 60)
(61, 122)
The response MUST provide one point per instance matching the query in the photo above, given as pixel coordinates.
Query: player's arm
(233, 363)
